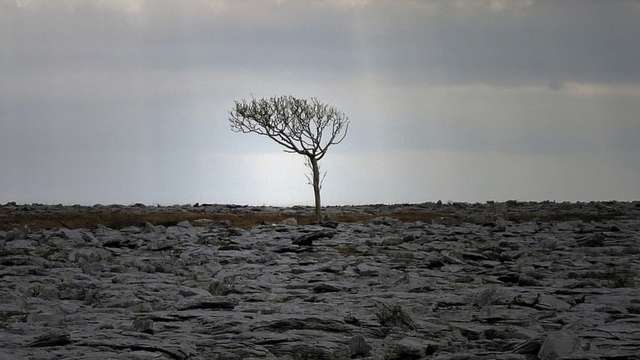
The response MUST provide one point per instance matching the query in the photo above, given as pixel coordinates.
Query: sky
(126, 101)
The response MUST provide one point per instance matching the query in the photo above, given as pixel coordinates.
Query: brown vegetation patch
(246, 217)
(122, 218)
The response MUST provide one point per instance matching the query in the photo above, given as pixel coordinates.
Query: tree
(303, 126)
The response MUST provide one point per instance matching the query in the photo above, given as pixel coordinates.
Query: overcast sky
(124, 101)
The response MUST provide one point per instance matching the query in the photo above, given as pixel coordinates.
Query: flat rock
(56, 338)
(206, 302)
(289, 221)
(409, 348)
(558, 345)
(307, 239)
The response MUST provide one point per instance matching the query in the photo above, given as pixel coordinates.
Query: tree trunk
(316, 187)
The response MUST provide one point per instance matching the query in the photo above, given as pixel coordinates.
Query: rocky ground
(489, 285)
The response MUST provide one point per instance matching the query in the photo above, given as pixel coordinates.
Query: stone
(384, 221)
(359, 347)
(89, 254)
(530, 347)
(289, 221)
(409, 348)
(594, 240)
(526, 280)
(49, 292)
(433, 262)
(325, 288)
(50, 320)
(391, 241)
(203, 222)
(302, 323)
(143, 326)
(78, 235)
(394, 316)
(469, 255)
(330, 224)
(184, 224)
(51, 339)
(131, 230)
(149, 228)
(206, 302)
(19, 247)
(307, 239)
(553, 302)
(367, 270)
(486, 297)
(221, 288)
(189, 292)
(160, 244)
(557, 345)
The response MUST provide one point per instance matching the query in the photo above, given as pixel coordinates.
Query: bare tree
(303, 126)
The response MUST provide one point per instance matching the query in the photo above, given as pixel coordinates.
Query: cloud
(217, 7)
(594, 90)
(468, 42)
(124, 6)
(497, 6)
(150, 82)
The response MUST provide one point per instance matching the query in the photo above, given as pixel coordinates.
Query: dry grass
(122, 218)
(70, 217)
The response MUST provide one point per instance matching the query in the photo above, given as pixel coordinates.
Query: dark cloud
(547, 42)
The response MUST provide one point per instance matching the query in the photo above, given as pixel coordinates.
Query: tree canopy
(304, 126)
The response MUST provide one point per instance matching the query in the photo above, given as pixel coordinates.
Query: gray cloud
(101, 94)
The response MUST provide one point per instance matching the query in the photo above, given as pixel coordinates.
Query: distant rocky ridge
(486, 281)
